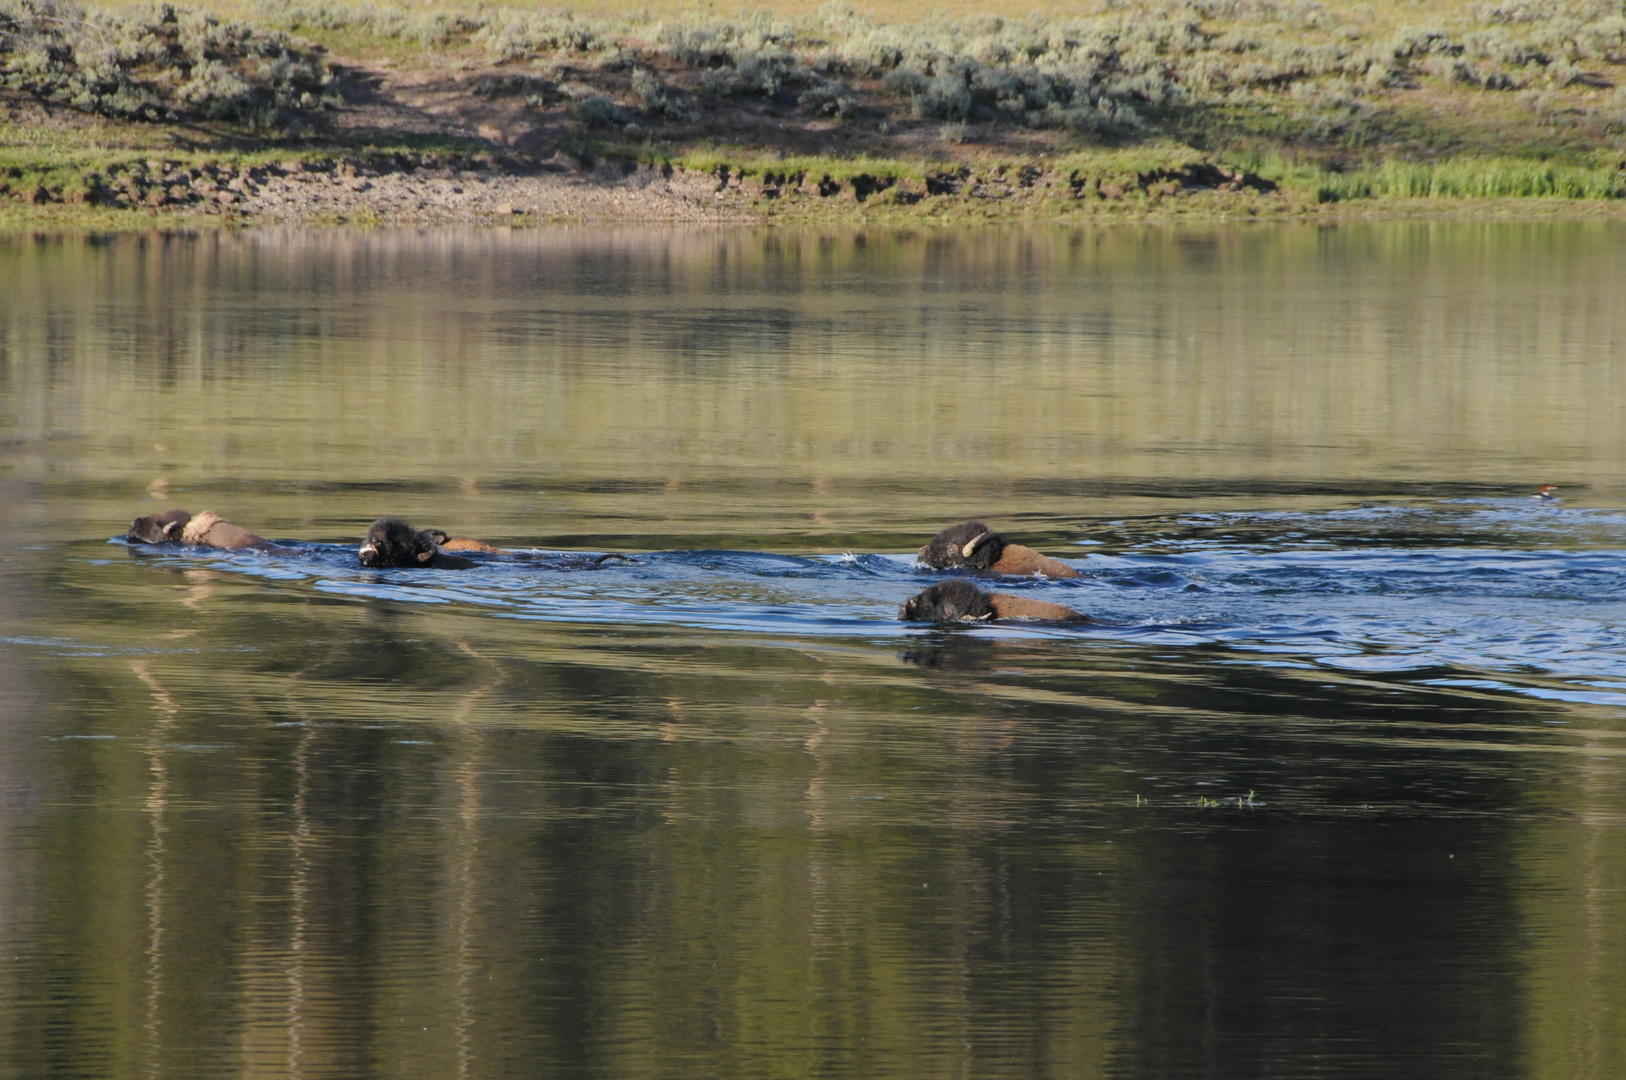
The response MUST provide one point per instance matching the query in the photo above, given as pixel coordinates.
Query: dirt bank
(427, 192)
(489, 188)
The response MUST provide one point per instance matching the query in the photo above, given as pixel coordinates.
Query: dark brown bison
(971, 545)
(392, 542)
(207, 529)
(957, 600)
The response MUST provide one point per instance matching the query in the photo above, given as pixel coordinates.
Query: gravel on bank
(486, 188)
(603, 192)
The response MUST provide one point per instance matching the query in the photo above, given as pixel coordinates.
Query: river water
(1334, 787)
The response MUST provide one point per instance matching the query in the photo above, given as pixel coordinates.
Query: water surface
(1333, 786)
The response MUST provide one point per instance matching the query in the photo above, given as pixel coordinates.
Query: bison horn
(971, 545)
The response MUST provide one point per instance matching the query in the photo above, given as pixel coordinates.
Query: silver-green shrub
(1111, 67)
(943, 98)
(598, 111)
(828, 99)
(158, 62)
(657, 98)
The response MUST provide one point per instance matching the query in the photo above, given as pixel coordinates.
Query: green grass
(1468, 177)
(1483, 178)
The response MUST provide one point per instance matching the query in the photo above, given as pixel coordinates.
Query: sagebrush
(1113, 69)
(158, 62)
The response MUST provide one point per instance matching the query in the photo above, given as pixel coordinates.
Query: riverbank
(303, 113)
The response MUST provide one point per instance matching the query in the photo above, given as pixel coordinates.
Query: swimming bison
(971, 545)
(392, 542)
(957, 600)
(207, 529)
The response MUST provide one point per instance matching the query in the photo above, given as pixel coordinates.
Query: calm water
(1335, 789)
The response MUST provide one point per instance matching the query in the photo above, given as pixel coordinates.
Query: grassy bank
(1195, 107)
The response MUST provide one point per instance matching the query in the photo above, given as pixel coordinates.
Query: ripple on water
(1308, 589)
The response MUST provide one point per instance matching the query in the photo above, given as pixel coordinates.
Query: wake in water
(1495, 593)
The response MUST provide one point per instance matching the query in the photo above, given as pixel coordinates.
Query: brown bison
(971, 545)
(957, 600)
(392, 542)
(463, 543)
(207, 529)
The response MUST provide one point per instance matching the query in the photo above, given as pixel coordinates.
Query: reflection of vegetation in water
(616, 853)
(1572, 855)
(744, 369)
(579, 895)
(408, 840)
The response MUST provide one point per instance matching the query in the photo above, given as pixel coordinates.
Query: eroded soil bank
(426, 188)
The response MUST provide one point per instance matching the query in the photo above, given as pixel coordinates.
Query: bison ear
(974, 543)
(425, 556)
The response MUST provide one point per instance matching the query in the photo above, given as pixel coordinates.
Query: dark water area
(1332, 787)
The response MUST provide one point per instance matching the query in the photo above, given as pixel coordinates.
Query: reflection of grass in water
(1205, 803)
(701, 420)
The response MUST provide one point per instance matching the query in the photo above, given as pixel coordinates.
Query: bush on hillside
(159, 62)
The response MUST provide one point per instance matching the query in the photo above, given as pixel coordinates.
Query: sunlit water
(1331, 785)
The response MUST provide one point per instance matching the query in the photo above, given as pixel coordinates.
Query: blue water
(1503, 595)
(1332, 787)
